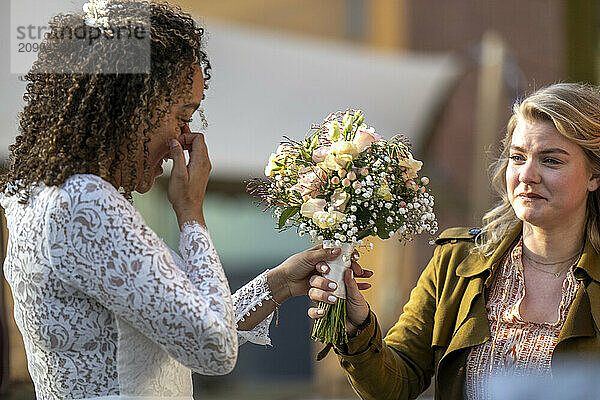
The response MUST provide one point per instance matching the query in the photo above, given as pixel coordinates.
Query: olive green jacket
(446, 316)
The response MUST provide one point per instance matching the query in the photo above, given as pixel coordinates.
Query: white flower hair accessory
(96, 14)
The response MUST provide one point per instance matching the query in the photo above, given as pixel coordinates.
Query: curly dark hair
(100, 123)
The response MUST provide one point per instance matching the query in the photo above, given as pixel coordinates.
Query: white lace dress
(106, 309)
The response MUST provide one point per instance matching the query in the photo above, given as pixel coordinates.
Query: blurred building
(443, 72)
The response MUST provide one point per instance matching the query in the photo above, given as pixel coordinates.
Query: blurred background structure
(442, 72)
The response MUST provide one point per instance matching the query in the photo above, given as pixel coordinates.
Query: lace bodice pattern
(106, 308)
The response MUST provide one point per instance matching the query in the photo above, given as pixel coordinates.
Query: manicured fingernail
(335, 252)
(174, 143)
(332, 285)
(355, 257)
(323, 268)
(320, 311)
(332, 299)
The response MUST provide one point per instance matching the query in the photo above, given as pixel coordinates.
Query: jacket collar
(589, 263)
(478, 263)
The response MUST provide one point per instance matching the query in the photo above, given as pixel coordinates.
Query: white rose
(327, 220)
(311, 207)
(344, 147)
(330, 163)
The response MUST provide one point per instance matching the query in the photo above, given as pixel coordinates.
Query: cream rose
(312, 206)
(343, 160)
(339, 199)
(412, 166)
(327, 220)
(343, 148)
(330, 163)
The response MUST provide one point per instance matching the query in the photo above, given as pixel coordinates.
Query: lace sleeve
(197, 249)
(100, 245)
(245, 300)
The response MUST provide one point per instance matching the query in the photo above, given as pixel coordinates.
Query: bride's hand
(187, 184)
(290, 278)
(293, 276)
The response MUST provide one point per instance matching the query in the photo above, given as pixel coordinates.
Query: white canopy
(266, 84)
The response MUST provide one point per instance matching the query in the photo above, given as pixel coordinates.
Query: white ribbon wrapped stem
(338, 266)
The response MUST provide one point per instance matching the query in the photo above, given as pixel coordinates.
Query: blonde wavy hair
(574, 110)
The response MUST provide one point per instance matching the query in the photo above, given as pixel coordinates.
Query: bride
(105, 308)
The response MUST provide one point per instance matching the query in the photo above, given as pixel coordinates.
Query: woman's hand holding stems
(357, 307)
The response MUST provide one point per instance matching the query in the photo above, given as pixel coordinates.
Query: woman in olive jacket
(510, 297)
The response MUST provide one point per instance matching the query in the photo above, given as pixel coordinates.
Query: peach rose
(365, 137)
(310, 181)
(320, 153)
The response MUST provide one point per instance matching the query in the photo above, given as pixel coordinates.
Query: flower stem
(331, 328)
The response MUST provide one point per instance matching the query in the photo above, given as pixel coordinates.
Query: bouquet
(339, 185)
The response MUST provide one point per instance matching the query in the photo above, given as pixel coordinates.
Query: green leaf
(364, 233)
(287, 214)
(314, 141)
(382, 229)
(359, 118)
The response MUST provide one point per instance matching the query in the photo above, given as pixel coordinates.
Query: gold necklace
(556, 274)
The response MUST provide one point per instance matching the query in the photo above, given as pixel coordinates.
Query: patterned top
(516, 346)
(106, 309)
